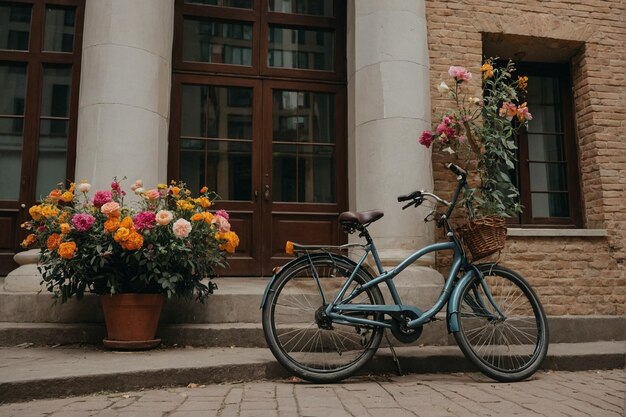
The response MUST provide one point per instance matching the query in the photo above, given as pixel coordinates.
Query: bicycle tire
(507, 350)
(295, 336)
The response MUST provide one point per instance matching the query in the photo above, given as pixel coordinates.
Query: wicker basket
(484, 236)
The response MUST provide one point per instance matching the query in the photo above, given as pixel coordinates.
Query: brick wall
(573, 275)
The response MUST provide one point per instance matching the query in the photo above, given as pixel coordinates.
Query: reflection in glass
(303, 173)
(13, 87)
(239, 4)
(550, 205)
(59, 29)
(14, 27)
(55, 93)
(216, 112)
(223, 166)
(311, 7)
(545, 147)
(51, 167)
(548, 177)
(300, 48)
(217, 42)
(11, 146)
(544, 101)
(299, 116)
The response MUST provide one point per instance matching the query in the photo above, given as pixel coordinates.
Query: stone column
(389, 105)
(125, 91)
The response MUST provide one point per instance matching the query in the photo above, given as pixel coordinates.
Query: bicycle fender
(455, 301)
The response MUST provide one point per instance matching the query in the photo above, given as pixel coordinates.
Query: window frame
(562, 73)
(261, 18)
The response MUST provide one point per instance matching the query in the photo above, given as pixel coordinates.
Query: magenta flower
(222, 213)
(83, 222)
(100, 198)
(426, 138)
(144, 220)
(460, 74)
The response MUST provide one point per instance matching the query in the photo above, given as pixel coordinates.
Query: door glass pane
(550, 205)
(222, 162)
(545, 147)
(303, 173)
(217, 42)
(59, 30)
(300, 48)
(216, 112)
(239, 4)
(53, 128)
(13, 87)
(14, 27)
(311, 7)
(223, 166)
(300, 116)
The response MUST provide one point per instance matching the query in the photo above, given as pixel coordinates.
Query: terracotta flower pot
(131, 320)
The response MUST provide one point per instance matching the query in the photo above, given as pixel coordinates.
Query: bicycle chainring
(400, 330)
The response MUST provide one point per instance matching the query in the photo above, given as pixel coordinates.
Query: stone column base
(25, 278)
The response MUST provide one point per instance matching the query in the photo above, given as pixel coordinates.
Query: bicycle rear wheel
(509, 349)
(302, 338)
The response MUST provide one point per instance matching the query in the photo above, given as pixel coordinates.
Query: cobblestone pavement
(554, 394)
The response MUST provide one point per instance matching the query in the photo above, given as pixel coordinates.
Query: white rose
(83, 187)
(443, 87)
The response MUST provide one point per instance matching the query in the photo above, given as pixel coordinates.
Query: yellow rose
(48, 211)
(65, 228)
(127, 222)
(112, 224)
(35, 212)
(122, 234)
(67, 197)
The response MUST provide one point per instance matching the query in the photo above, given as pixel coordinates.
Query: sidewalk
(47, 372)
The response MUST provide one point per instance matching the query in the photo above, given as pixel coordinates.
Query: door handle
(23, 205)
(267, 193)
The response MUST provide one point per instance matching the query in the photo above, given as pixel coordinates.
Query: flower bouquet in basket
(481, 132)
(167, 243)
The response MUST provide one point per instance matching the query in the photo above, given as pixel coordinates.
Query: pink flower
(164, 217)
(83, 222)
(100, 198)
(426, 138)
(523, 114)
(508, 110)
(152, 194)
(222, 223)
(111, 209)
(144, 220)
(181, 228)
(460, 74)
(136, 184)
(223, 213)
(445, 128)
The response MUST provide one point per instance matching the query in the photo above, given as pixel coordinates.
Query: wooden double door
(274, 151)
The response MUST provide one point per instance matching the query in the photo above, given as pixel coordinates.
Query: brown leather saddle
(363, 218)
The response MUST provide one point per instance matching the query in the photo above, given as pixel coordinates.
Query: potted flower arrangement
(481, 132)
(167, 244)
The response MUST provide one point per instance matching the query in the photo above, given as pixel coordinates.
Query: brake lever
(408, 205)
(430, 216)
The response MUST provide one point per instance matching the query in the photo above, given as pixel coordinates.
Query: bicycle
(324, 314)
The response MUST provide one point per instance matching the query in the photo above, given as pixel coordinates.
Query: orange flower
(175, 191)
(204, 202)
(522, 82)
(127, 222)
(55, 194)
(198, 217)
(112, 224)
(62, 217)
(208, 217)
(204, 189)
(487, 70)
(30, 240)
(67, 250)
(65, 228)
(289, 248)
(67, 197)
(48, 211)
(134, 241)
(53, 242)
(72, 187)
(184, 205)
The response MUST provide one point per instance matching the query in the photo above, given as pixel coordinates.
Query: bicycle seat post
(364, 233)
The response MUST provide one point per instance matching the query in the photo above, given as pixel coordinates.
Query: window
(547, 171)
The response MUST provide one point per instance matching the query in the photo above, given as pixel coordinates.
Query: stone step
(563, 329)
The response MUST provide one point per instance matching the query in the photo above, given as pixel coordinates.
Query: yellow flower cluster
(231, 241)
(126, 235)
(184, 205)
(487, 70)
(204, 216)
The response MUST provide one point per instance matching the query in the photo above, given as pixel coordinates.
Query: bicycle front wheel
(298, 332)
(509, 348)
